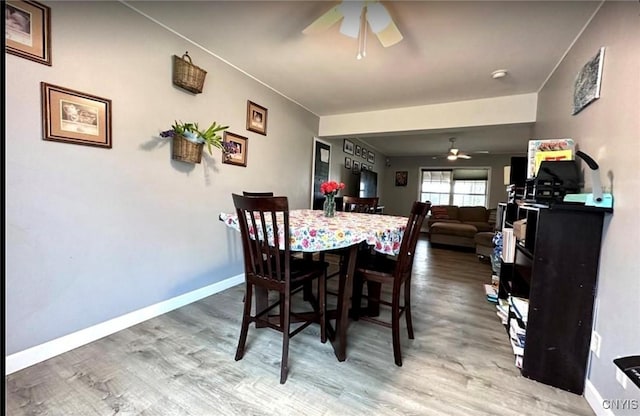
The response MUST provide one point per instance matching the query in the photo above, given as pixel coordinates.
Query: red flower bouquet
(331, 187)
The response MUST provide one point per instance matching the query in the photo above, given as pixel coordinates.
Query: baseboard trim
(50, 349)
(595, 400)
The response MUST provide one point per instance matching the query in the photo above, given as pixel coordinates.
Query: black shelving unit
(555, 267)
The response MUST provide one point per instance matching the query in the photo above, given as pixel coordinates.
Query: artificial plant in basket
(192, 133)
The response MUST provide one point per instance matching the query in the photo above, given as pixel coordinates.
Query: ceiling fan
(356, 16)
(454, 153)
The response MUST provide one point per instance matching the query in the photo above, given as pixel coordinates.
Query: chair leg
(322, 298)
(395, 325)
(284, 364)
(246, 315)
(407, 307)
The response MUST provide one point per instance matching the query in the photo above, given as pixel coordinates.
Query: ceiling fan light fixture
(452, 157)
(378, 17)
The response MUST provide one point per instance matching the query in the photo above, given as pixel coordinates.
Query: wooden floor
(181, 363)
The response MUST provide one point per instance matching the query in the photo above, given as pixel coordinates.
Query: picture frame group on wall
(75, 117)
(236, 147)
(28, 30)
(256, 118)
(347, 162)
(347, 146)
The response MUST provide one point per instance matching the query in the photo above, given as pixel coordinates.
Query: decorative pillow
(439, 213)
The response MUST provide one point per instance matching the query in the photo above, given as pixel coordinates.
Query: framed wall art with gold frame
(75, 117)
(28, 30)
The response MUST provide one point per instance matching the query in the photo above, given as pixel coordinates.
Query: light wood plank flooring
(181, 363)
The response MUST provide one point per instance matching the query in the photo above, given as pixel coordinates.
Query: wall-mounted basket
(186, 75)
(186, 151)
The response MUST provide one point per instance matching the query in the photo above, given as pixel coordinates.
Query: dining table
(312, 232)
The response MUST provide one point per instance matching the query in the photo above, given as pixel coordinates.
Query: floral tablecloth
(311, 231)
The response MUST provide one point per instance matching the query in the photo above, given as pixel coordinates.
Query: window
(462, 187)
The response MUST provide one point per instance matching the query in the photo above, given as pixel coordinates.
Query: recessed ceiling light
(499, 73)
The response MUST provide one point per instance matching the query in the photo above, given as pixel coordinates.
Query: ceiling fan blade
(390, 35)
(325, 21)
(463, 156)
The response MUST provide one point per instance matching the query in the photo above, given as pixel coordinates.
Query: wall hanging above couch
(187, 75)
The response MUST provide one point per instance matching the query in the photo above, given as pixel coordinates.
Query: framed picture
(372, 157)
(28, 30)
(365, 153)
(347, 162)
(347, 146)
(587, 83)
(355, 167)
(358, 150)
(236, 146)
(256, 118)
(75, 117)
(401, 178)
(364, 167)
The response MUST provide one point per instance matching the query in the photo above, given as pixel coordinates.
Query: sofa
(459, 226)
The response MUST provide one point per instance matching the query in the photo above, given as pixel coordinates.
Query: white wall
(95, 233)
(609, 131)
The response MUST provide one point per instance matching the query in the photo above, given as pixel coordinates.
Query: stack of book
(520, 308)
(503, 311)
(508, 245)
(492, 293)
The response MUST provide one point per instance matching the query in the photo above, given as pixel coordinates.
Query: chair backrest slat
(357, 204)
(266, 216)
(410, 238)
(245, 193)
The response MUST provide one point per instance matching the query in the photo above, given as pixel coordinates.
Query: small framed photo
(358, 150)
(75, 117)
(256, 118)
(347, 146)
(355, 167)
(28, 30)
(401, 178)
(365, 153)
(364, 167)
(372, 157)
(347, 162)
(236, 149)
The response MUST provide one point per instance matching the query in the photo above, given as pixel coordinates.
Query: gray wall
(609, 131)
(398, 200)
(94, 233)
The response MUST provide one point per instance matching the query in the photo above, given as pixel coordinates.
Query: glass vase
(329, 206)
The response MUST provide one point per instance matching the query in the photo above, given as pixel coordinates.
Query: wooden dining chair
(272, 269)
(357, 204)
(380, 270)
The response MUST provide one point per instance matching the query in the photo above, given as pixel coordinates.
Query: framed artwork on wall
(365, 153)
(347, 146)
(372, 157)
(355, 167)
(358, 150)
(347, 162)
(587, 83)
(75, 117)
(256, 118)
(401, 178)
(28, 30)
(237, 147)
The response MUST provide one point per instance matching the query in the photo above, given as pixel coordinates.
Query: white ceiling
(448, 52)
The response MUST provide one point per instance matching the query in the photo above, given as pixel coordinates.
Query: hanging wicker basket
(186, 75)
(186, 151)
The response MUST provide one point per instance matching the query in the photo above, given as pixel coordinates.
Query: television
(368, 184)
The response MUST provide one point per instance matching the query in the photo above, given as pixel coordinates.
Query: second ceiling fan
(454, 153)
(356, 17)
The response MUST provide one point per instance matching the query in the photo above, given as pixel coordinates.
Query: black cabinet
(555, 266)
